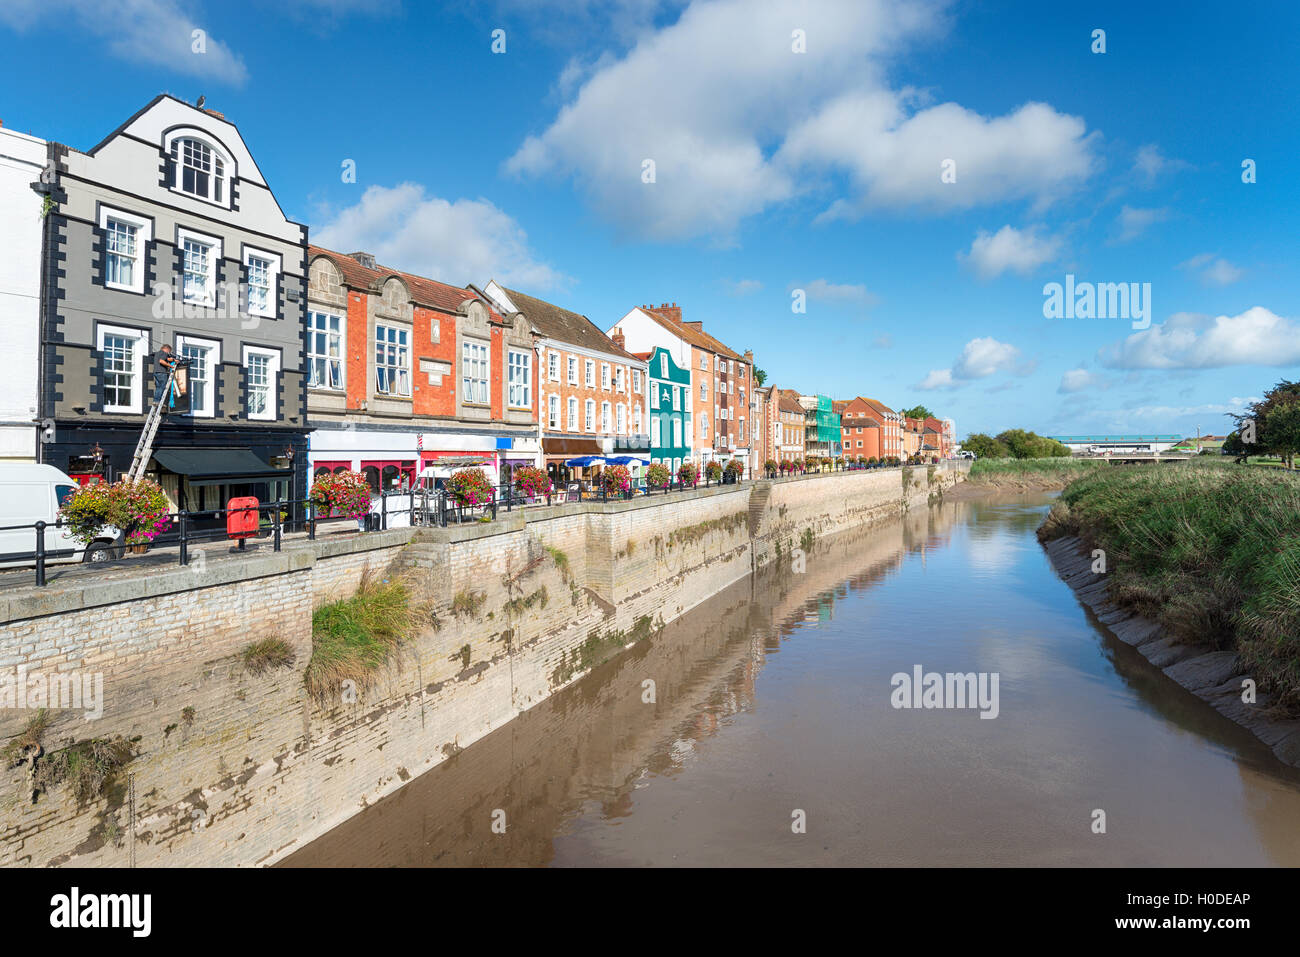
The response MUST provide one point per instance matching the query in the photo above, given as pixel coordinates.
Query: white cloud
(979, 359)
(1022, 251)
(937, 379)
(1133, 221)
(736, 122)
(1190, 341)
(742, 287)
(983, 357)
(453, 242)
(822, 290)
(153, 32)
(1212, 269)
(1076, 380)
(1151, 164)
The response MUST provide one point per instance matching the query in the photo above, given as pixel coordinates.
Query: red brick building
(404, 371)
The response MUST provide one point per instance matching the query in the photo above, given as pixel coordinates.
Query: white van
(31, 494)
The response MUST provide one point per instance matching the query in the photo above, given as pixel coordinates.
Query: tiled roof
(564, 326)
(876, 406)
(789, 404)
(695, 336)
(424, 291)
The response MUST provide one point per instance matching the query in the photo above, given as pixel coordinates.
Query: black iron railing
(397, 508)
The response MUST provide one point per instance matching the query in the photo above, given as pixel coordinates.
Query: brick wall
(239, 769)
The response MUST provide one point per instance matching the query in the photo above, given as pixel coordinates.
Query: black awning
(218, 466)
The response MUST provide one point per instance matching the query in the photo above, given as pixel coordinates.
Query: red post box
(241, 518)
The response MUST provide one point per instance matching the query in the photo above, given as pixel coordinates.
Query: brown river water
(773, 706)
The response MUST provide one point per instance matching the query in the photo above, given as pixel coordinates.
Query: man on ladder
(169, 386)
(163, 374)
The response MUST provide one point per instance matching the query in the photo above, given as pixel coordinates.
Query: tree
(985, 446)
(918, 412)
(1233, 445)
(1031, 445)
(1282, 430)
(1272, 421)
(759, 376)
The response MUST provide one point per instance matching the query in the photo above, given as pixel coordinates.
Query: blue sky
(775, 171)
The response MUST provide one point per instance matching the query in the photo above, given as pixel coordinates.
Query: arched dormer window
(199, 169)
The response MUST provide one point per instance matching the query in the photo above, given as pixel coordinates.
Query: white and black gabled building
(166, 232)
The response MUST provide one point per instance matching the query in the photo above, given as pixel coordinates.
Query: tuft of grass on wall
(353, 638)
(266, 655)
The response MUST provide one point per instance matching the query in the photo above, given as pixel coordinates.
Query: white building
(22, 158)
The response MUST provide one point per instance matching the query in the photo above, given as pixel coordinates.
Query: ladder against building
(144, 448)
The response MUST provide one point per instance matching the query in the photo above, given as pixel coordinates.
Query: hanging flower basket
(688, 473)
(616, 479)
(532, 481)
(470, 487)
(658, 475)
(139, 509)
(340, 494)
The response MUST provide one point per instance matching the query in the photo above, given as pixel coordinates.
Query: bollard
(276, 518)
(40, 553)
(183, 521)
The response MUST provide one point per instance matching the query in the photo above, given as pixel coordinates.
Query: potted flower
(470, 487)
(734, 469)
(770, 467)
(688, 473)
(532, 482)
(138, 509)
(713, 471)
(616, 479)
(658, 475)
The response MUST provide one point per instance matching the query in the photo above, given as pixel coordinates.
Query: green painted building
(670, 409)
(823, 428)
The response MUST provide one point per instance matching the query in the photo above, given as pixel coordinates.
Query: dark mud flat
(1214, 676)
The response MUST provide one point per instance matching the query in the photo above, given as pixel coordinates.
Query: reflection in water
(774, 696)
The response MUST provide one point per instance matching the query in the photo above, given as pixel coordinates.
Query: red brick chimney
(671, 310)
(619, 338)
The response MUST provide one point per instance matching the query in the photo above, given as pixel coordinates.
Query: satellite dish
(202, 100)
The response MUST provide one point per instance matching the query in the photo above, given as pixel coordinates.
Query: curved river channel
(774, 698)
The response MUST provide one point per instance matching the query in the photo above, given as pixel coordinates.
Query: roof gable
(564, 325)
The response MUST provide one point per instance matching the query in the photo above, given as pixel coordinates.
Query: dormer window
(198, 170)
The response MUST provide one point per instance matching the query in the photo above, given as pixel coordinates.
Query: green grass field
(1209, 549)
(1019, 473)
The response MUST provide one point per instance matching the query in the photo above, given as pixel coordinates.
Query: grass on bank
(1057, 472)
(353, 638)
(1210, 550)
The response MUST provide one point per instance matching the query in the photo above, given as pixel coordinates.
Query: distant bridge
(1129, 458)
